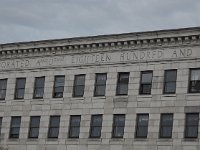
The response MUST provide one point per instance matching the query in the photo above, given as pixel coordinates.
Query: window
(146, 82)
(170, 82)
(3, 86)
(74, 127)
(194, 83)
(166, 125)
(79, 85)
(122, 83)
(191, 125)
(34, 127)
(20, 88)
(39, 87)
(95, 127)
(100, 84)
(142, 125)
(0, 125)
(59, 86)
(15, 127)
(118, 126)
(54, 125)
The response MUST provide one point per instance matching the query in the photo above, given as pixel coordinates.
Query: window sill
(190, 140)
(193, 94)
(144, 96)
(169, 95)
(18, 100)
(99, 97)
(121, 96)
(2, 101)
(77, 98)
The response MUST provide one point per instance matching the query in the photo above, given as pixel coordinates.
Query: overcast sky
(30, 20)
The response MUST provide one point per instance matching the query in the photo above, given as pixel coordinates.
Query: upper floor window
(142, 126)
(54, 125)
(74, 127)
(166, 125)
(100, 84)
(15, 127)
(0, 125)
(194, 82)
(59, 83)
(20, 88)
(170, 82)
(3, 86)
(39, 87)
(191, 125)
(122, 83)
(118, 126)
(79, 85)
(146, 82)
(95, 127)
(34, 127)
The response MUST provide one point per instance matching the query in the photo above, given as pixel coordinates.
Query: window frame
(33, 127)
(35, 88)
(74, 86)
(54, 87)
(1, 121)
(76, 126)
(53, 127)
(189, 80)
(162, 126)
(6, 80)
(137, 127)
(94, 126)
(11, 127)
(118, 93)
(97, 85)
(186, 126)
(141, 84)
(114, 126)
(16, 88)
(165, 82)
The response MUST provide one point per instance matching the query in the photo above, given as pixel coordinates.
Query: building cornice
(138, 40)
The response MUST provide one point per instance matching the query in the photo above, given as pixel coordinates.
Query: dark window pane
(166, 125)
(170, 81)
(59, 86)
(146, 82)
(74, 128)
(39, 87)
(34, 127)
(194, 82)
(118, 126)
(54, 125)
(20, 88)
(100, 84)
(15, 127)
(79, 86)
(142, 125)
(3, 86)
(191, 125)
(96, 125)
(122, 83)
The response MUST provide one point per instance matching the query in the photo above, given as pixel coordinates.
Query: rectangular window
(191, 125)
(54, 125)
(1, 118)
(146, 82)
(170, 82)
(20, 88)
(59, 83)
(122, 83)
(79, 85)
(74, 127)
(142, 126)
(95, 126)
(118, 126)
(166, 125)
(15, 127)
(194, 81)
(39, 87)
(100, 84)
(3, 86)
(34, 127)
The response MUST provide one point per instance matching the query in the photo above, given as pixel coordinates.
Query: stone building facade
(134, 91)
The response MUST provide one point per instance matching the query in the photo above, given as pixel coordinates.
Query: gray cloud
(27, 20)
